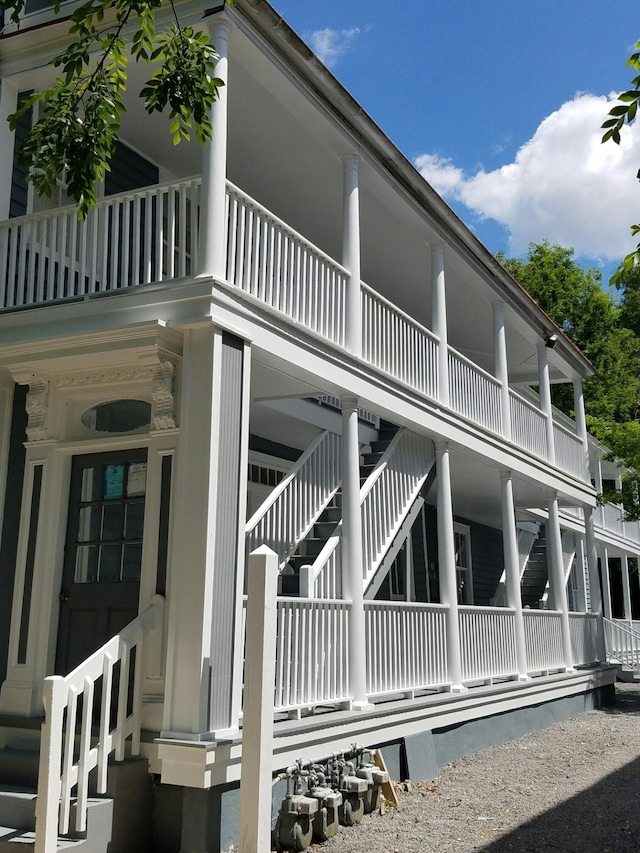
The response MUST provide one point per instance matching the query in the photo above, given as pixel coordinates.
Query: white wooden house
(285, 338)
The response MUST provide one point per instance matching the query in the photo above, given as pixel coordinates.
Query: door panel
(103, 554)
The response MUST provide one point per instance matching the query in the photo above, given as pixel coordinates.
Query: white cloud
(331, 45)
(563, 185)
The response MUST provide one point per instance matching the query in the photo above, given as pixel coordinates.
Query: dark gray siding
(129, 171)
(11, 521)
(19, 187)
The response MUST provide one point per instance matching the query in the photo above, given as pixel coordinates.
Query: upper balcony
(151, 235)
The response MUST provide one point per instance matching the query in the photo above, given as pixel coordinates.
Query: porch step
(627, 674)
(17, 828)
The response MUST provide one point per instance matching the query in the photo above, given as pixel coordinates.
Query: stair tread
(27, 837)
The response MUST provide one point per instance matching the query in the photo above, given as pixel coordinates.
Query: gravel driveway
(574, 787)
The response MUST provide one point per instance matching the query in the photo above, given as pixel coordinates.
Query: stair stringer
(526, 538)
(569, 546)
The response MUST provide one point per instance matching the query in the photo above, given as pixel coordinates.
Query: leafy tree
(574, 298)
(606, 330)
(625, 112)
(79, 115)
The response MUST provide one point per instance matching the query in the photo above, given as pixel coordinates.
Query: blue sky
(499, 104)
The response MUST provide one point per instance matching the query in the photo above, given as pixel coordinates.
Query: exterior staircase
(118, 821)
(535, 575)
(326, 525)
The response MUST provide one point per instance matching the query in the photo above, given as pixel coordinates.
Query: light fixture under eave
(550, 341)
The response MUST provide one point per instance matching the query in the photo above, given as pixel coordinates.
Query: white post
(557, 583)
(606, 583)
(8, 105)
(257, 729)
(439, 319)
(626, 589)
(581, 561)
(211, 241)
(594, 576)
(501, 368)
(447, 565)
(351, 251)
(352, 569)
(512, 570)
(581, 422)
(545, 400)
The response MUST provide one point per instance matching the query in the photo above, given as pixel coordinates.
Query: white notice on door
(136, 479)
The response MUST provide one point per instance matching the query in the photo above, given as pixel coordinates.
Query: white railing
(487, 643)
(583, 628)
(68, 753)
(126, 240)
(622, 644)
(293, 507)
(474, 393)
(312, 665)
(406, 647)
(610, 517)
(271, 261)
(569, 450)
(389, 493)
(385, 499)
(398, 345)
(543, 640)
(527, 426)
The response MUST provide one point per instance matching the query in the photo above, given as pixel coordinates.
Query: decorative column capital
(219, 28)
(441, 445)
(505, 474)
(349, 404)
(351, 161)
(552, 495)
(163, 414)
(37, 407)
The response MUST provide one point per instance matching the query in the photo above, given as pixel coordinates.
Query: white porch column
(606, 583)
(447, 564)
(352, 575)
(8, 105)
(206, 563)
(439, 319)
(592, 560)
(545, 400)
(581, 422)
(351, 251)
(557, 582)
(626, 589)
(211, 238)
(512, 570)
(501, 370)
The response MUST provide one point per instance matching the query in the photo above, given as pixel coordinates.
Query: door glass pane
(91, 489)
(87, 564)
(135, 520)
(112, 522)
(89, 524)
(110, 560)
(131, 562)
(113, 482)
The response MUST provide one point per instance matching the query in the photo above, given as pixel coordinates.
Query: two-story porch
(162, 362)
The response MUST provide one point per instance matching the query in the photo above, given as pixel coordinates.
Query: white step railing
(69, 749)
(406, 647)
(312, 664)
(293, 507)
(474, 393)
(543, 640)
(271, 261)
(622, 644)
(398, 345)
(487, 643)
(528, 426)
(583, 628)
(385, 498)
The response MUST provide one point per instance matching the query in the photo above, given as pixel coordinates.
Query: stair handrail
(326, 557)
(625, 656)
(293, 507)
(59, 770)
